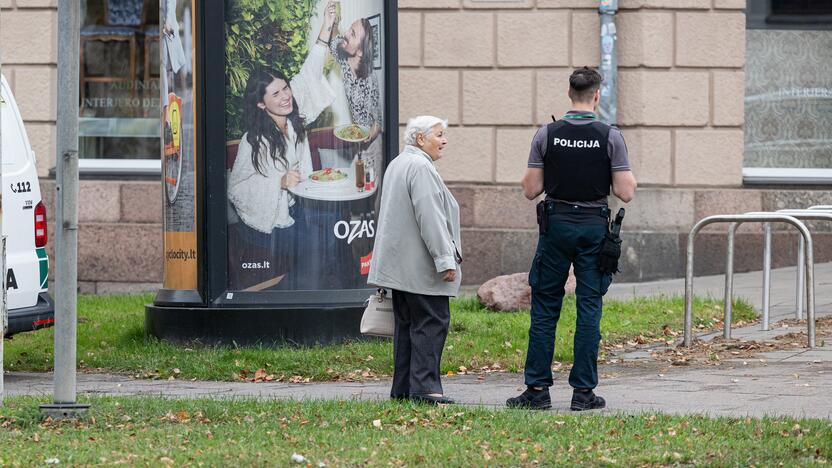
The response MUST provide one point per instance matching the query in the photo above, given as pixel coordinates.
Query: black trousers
(418, 340)
(570, 240)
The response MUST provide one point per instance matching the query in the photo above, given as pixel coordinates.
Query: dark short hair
(583, 83)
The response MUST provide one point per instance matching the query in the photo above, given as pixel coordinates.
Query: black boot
(531, 399)
(432, 399)
(586, 400)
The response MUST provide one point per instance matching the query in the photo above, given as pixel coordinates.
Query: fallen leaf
(796, 431)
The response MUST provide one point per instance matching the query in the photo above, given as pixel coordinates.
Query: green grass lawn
(111, 338)
(155, 432)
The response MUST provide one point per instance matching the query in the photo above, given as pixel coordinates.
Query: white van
(24, 225)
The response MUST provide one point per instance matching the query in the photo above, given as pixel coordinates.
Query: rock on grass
(512, 292)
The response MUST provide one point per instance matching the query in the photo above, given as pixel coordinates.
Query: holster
(542, 217)
(611, 246)
(610, 253)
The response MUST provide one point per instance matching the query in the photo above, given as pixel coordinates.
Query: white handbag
(378, 316)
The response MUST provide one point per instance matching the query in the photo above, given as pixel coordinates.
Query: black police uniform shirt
(616, 148)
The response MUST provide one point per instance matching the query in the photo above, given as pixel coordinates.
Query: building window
(119, 82)
(788, 92)
(799, 10)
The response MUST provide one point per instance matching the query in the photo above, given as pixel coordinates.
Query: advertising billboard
(177, 78)
(284, 113)
(305, 141)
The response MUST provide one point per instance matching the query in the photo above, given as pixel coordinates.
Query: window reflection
(119, 79)
(788, 85)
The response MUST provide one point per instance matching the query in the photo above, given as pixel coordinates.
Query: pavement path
(788, 384)
(791, 382)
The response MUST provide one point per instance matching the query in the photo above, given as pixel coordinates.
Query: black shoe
(402, 397)
(432, 400)
(531, 399)
(582, 401)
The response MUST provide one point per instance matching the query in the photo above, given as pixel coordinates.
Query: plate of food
(352, 133)
(328, 175)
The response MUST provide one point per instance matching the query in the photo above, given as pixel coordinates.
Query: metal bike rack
(734, 221)
(801, 253)
(803, 215)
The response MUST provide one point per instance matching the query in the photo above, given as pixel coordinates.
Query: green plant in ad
(262, 33)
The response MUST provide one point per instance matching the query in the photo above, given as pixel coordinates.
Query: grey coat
(418, 229)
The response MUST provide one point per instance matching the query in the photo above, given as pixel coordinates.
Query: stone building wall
(497, 70)
(29, 48)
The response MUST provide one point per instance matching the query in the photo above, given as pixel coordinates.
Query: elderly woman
(417, 256)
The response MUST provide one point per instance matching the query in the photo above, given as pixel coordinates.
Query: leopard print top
(363, 94)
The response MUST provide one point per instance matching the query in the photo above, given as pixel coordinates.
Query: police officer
(575, 160)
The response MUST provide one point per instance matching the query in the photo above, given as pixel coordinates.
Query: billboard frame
(212, 198)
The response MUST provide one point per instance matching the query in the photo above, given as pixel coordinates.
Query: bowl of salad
(328, 175)
(352, 133)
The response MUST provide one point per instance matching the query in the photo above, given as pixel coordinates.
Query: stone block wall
(119, 234)
(497, 70)
(29, 57)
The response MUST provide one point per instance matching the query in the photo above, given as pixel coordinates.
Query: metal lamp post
(66, 247)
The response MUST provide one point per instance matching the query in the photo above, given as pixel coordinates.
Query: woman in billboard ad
(303, 115)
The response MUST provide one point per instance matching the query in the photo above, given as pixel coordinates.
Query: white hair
(421, 124)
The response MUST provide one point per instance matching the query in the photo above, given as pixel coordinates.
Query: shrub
(261, 33)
